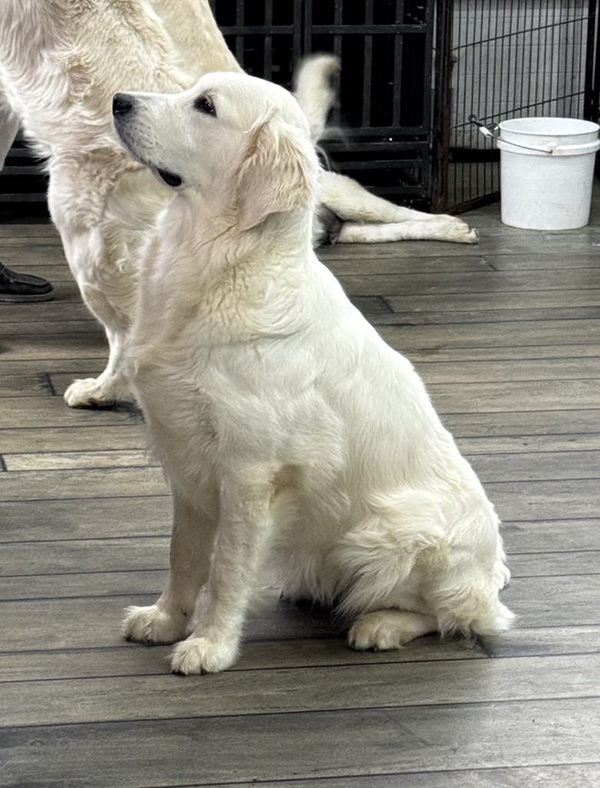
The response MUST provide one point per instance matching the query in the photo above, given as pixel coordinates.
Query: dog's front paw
(201, 655)
(90, 393)
(152, 625)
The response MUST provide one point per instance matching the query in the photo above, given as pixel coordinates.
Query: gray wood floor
(507, 336)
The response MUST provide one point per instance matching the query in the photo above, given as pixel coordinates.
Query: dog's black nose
(122, 104)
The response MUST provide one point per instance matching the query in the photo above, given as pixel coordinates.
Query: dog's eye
(204, 104)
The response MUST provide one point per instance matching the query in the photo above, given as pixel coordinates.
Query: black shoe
(17, 288)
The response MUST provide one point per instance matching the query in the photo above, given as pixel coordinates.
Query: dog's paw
(152, 625)
(201, 655)
(458, 231)
(366, 635)
(385, 630)
(90, 393)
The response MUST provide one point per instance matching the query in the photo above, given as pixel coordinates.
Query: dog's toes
(152, 626)
(201, 655)
(364, 636)
(459, 232)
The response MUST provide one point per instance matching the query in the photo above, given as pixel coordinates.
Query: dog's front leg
(191, 544)
(107, 388)
(242, 533)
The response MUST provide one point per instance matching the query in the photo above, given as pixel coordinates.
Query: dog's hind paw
(457, 231)
(152, 626)
(385, 630)
(201, 655)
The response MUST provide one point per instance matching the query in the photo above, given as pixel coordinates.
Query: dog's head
(232, 138)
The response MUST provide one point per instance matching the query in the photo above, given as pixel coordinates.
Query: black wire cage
(500, 59)
(413, 71)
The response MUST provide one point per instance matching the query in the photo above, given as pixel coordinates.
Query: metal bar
(544, 71)
(298, 31)
(428, 62)
(268, 41)
(308, 26)
(523, 48)
(590, 102)
(367, 66)
(540, 27)
(338, 28)
(553, 110)
(483, 79)
(596, 81)
(255, 30)
(239, 38)
(444, 10)
(580, 64)
(398, 42)
(574, 47)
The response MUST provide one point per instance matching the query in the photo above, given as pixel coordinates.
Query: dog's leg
(166, 620)
(438, 230)
(353, 203)
(105, 390)
(243, 528)
(384, 630)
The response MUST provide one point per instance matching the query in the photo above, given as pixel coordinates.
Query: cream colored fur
(297, 443)
(61, 62)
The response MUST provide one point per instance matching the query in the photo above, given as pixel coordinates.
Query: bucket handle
(492, 131)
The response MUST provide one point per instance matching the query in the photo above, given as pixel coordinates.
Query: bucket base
(540, 228)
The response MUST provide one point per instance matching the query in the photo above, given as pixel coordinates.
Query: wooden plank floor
(507, 336)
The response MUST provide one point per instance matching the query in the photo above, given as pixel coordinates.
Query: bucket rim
(591, 127)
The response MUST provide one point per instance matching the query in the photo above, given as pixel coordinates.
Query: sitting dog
(293, 437)
(62, 61)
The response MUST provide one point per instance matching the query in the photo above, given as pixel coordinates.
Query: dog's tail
(314, 87)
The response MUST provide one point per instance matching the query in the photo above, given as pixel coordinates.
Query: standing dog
(61, 61)
(293, 437)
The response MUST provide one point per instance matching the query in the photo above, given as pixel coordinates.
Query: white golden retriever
(61, 61)
(295, 440)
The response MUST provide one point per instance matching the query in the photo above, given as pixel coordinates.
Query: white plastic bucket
(546, 171)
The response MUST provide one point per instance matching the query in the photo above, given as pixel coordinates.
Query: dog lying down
(296, 442)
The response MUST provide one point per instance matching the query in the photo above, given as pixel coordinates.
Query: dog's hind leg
(353, 203)
(384, 630)
(191, 546)
(438, 230)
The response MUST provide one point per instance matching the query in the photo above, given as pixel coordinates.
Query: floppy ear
(277, 172)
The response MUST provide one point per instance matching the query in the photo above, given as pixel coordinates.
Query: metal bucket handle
(492, 131)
